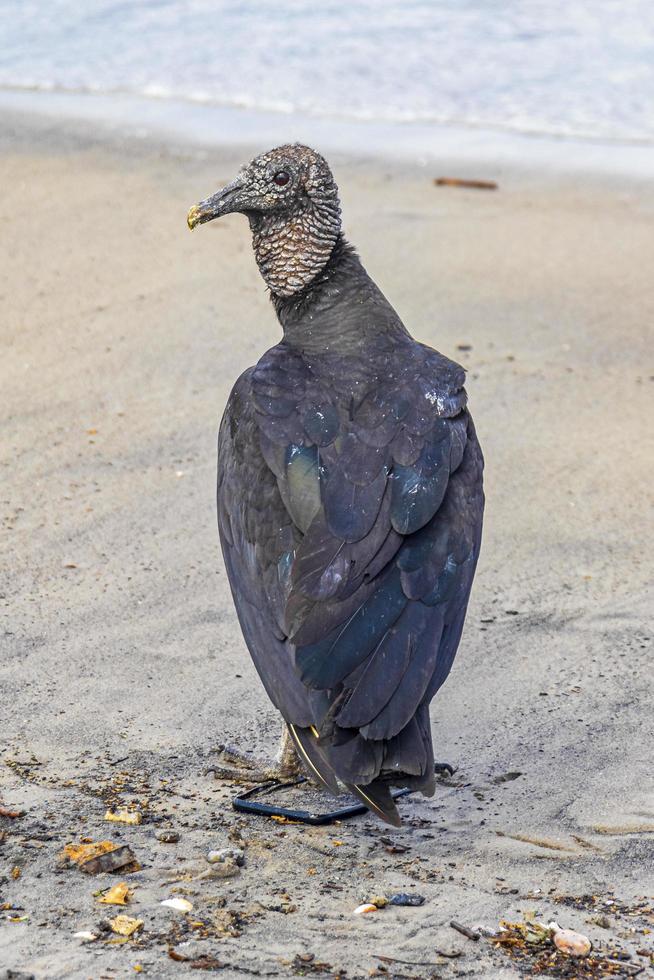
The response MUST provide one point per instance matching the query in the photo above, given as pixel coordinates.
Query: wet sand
(122, 664)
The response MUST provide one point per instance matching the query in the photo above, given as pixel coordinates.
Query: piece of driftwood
(478, 185)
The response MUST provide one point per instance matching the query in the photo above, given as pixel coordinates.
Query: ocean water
(577, 68)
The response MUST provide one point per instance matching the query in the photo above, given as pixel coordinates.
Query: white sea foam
(561, 67)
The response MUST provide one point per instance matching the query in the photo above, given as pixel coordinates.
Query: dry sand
(122, 665)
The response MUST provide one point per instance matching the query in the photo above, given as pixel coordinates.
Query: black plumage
(349, 499)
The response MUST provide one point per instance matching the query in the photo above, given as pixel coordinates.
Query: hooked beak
(222, 202)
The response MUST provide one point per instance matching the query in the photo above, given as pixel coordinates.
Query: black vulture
(350, 495)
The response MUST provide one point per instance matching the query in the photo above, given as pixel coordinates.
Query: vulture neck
(291, 250)
(341, 311)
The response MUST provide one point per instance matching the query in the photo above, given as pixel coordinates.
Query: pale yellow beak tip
(193, 217)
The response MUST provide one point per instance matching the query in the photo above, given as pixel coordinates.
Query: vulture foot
(444, 769)
(242, 767)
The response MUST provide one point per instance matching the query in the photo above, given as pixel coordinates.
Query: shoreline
(204, 126)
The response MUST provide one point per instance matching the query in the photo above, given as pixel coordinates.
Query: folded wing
(351, 528)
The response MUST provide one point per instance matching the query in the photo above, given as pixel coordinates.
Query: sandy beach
(123, 667)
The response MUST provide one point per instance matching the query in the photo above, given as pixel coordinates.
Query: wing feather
(351, 529)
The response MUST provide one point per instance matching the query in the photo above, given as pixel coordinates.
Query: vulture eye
(282, 178)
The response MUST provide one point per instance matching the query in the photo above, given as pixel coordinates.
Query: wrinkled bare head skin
(291, 201)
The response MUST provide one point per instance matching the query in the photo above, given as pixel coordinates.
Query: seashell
(179, 904)
(569, 942)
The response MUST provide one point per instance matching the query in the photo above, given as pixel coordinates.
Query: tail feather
(377, 797)
(306, 743)
(376, 794)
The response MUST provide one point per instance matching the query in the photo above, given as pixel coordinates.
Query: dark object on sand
(349, 496)
(103, 857)
(477, 185)
(410, 901)
(465, 931)
(245, 803)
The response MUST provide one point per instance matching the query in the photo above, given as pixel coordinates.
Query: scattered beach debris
(530, 930)
(119, 894)
(85, 935)
(376, 902)
(569, 942)
(464, 930)
(639, 908)
(123, 815)
(178, 904)
(478, 185)
(101, 856)
(230, 923)
(572, 956)
(167, 836)
(125, 925)
(411, 901)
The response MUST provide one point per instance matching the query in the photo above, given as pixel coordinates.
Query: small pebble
(86, 937)
(379, 900)
(225, 862)
(167, 836)
(227, 855)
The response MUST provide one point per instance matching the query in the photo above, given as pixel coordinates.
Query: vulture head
(291, 201)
